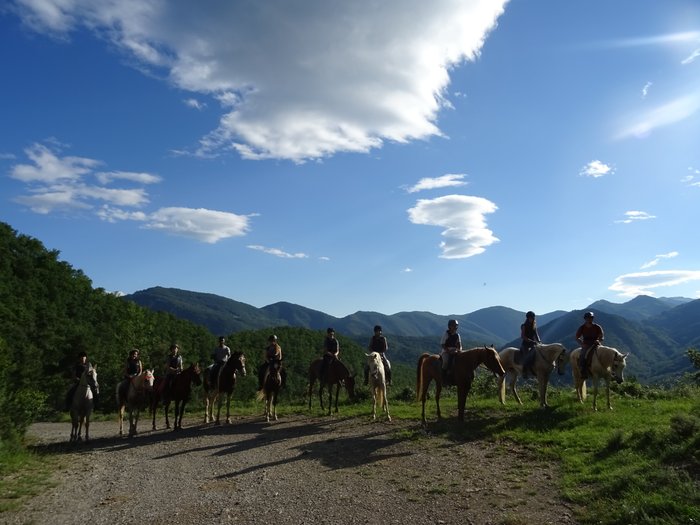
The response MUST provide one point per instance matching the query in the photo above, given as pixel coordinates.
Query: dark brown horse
(463, 367)
(336, 374)
(223, 386)
(271, 388)
(180, 391)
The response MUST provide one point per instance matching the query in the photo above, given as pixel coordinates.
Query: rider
(76, 374)
(589, 335)
(530, 338)
(173, 366)
(331, 350)
(221, 354)
(450, 343)
(132, 368)
(273, 352)
(378, 343)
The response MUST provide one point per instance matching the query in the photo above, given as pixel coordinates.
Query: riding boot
(388, 376)
(582, 365)
(283, 376)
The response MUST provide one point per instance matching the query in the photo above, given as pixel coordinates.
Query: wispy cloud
(677, 110)
(691, 58)
(692, 178)
(288, 97)
(431, 183)
(646, 88)
(596, 169)
(642, 283)
(634, 216)
(657, 259)
(407, 270)
(654, 40)
(463, 218)
(195, 104)
(277, 252)
(56, 183)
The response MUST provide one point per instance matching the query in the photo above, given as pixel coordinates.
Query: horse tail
(583, 390)
(502, 389)
(419, 375)
(260, 395)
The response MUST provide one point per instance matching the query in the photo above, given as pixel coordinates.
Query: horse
(270, 389)
(336, 374)
(83, 403)
(180, 393)
(132, 395)
(547, 358)
(377, 384)
(228, 374)
(463, 366)
(608, 363)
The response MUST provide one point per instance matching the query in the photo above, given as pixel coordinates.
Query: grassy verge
(639, 463)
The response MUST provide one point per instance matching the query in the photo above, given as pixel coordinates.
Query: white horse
(83, 403)
(547, 358)
(133, 396)
(608, 363)
(377, 384)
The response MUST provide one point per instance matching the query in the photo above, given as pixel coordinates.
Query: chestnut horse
(337, 374)
(180, 392)
(270, 390)
(608, 363)
(83, 403)
(547, 358)
(228, 374)
(463, 366)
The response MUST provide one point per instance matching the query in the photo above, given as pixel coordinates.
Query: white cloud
(596, 169)
(645, 89)
(445, 181)
(691, 58)
(677, 110)
(47, 201)
(201, 224)
(324, 258)
(105, 177)
(463, 218)
(642, 283)
(277, 252)
(407, 270)
(300, 80)
(195, 104)
(633, 216)
(46, 167)
(657, 259)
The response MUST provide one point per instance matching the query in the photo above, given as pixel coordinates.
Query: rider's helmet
(134, 352)
(452, 322)
(530, 314)
(330, 331)
(272, 338)
(377, 328)
(588, 315)
(82, 354)
(222, 339)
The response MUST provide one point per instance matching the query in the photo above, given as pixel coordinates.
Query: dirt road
(298, 470)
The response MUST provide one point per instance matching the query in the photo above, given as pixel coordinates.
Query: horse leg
(228, 408)
(87, 428)
(542, 382)
(219, 400)
(438, 389)
(206, 408)
(596, 380)
(514, 389)
(386, 404)
(337, 394)
(374, 403)
(607, 392)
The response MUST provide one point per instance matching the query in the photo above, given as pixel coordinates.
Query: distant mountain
(640, 308)
(656, 332)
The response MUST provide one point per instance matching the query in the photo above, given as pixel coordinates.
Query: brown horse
(463, 366)
(270, 389)
(336, 375)
(133, 395)
(180, 391)
(223, 386)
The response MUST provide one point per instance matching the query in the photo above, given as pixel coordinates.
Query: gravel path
(298, 470)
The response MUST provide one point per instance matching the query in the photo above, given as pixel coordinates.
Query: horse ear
(625, 355)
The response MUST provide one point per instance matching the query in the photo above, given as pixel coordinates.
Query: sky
(441, 156)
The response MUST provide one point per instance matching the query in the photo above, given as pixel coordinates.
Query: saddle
(587, 360)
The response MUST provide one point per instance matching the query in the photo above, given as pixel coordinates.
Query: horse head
(374, 362)
(196, 374)
(91, 376)
(148, 379)
(238, 362)
(493, 361)
(350, 386)
(618, 366)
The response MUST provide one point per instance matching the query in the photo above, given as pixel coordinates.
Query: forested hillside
(49, 312)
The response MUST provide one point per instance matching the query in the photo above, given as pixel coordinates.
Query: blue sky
(443, 156)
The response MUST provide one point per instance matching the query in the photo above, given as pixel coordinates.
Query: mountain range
(656, 331)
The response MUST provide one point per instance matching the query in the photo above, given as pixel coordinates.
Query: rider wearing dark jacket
(378, 343)
(589, 335)
(529, 339)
